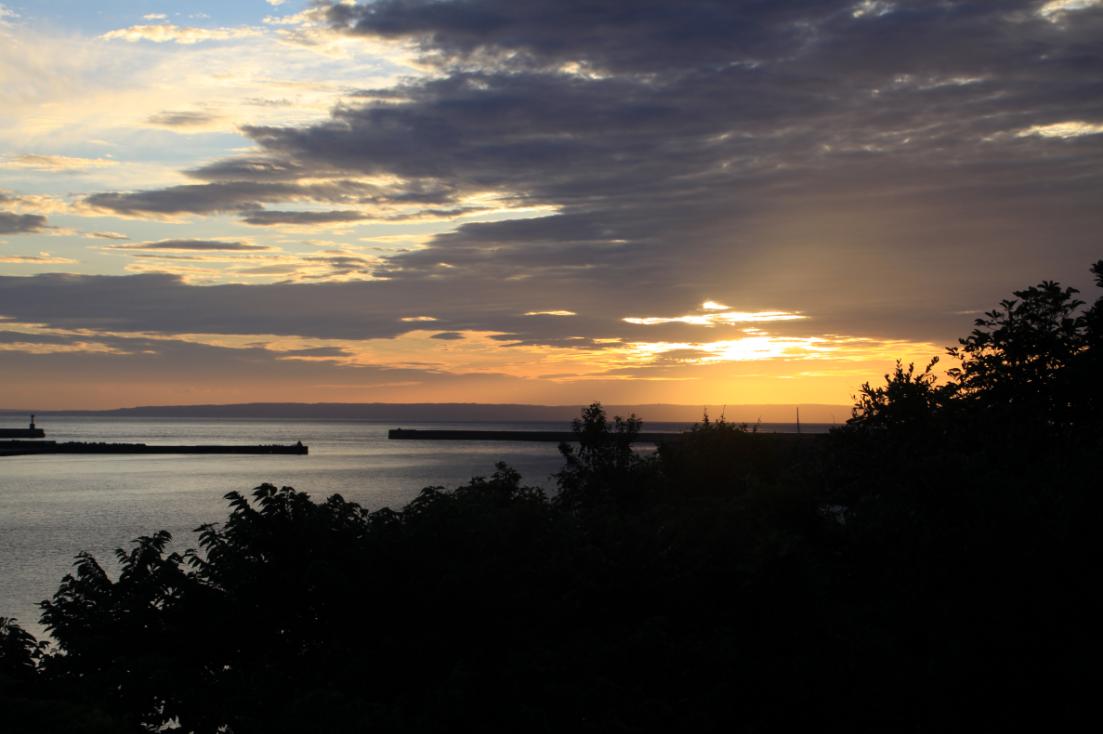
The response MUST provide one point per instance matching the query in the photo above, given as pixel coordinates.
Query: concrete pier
(22, 433)
(31, 431)
(415, 434)
(23, 448)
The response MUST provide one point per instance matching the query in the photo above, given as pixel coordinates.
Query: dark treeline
(930, 566)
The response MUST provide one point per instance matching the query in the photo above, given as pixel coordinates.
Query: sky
(702, 202)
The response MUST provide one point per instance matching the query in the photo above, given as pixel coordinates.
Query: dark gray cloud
(807, 154)
(273, 183)
(316, 352)
(21, 223)
(249, 169)
(270, 218)
(170, 118)
(18, 337)
(350, 310)
(654, 37)
(191, 245)
(879, 166)
(373, 308)
(210, 198)
(232, 196)
(447, 336)
(66, 372)
(344, 264)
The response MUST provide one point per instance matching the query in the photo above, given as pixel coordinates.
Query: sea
(53, 507)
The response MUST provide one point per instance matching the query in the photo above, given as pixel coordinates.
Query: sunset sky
(541, 201)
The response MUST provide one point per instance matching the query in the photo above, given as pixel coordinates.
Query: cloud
(873, 8)
(61, 163)
(733, 146)
(447, 336)
(43, 258)
(716, 315)
(1054, 10)
(342, 265)
(237, 196)
(234, 321)
(171, 33)
(190, 199)
(403, 202)
(253, 168)
(1072, 129)
(269, 218)
(554, 312)
(206, 262)
(190, 246)
(68, 90)
(181, 119)
(793, 159)
(66, 369)
(21, 223)
(316, 353)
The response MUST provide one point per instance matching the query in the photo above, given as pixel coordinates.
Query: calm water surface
(52, 507)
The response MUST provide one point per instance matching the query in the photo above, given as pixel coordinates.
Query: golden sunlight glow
(1070, 129)
(77, 347)
(1054, 9)
(757, 369)
(716, 318)
(761, 347)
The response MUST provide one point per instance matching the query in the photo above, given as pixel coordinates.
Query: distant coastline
(810, 413)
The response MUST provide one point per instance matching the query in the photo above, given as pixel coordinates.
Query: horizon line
(46, 411)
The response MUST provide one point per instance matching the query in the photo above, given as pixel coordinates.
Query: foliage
(31, 701)
(726, 459)
(1031, 366)
(603, 466)
(19, 651)
(1016, 360)
(905, 402)
(1093, 319)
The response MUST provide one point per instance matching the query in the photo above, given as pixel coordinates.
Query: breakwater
(653, 437)
(23, 448)
(547, 436)
(22, 433)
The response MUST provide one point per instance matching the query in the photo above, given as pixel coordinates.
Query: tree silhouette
(601, 468)
(19, 652)
(1015, 362)
(907, 400)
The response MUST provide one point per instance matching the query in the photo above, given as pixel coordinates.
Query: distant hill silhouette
(500, 412)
